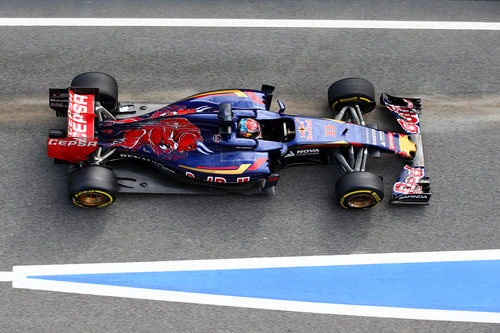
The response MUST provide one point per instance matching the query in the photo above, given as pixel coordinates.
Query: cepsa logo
(71, 149)
(80, 115)
(67, 142)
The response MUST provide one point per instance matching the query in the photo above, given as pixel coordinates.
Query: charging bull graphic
(167, 111)
(165, 138)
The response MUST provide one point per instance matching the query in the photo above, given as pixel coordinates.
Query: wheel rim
(92, 199)
(362, 200)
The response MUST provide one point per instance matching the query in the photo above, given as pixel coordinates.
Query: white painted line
(20, 278)
(244, 23)
(269, 304)
(248, 263)
(6, 276)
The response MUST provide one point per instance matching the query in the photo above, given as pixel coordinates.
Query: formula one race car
(227, 141)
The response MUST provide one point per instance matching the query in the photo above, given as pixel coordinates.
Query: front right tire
(359, 190)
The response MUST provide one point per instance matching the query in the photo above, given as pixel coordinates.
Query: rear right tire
(92, 187)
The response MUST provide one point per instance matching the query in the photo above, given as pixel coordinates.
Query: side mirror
(226, 115)
(282, 107)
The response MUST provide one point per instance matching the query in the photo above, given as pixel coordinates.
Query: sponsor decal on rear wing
(413, 185)
(81, 113)
(59, 99)
(71, 150)
(79, 106)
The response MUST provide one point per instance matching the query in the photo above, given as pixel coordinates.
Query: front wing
(413, 184)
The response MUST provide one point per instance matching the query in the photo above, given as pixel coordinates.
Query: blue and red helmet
(249, 128)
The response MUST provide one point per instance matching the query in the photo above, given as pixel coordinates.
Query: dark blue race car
(227, 141)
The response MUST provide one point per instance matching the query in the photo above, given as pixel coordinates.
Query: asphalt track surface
(455, 72)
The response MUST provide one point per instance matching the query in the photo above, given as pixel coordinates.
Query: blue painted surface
(468, 285)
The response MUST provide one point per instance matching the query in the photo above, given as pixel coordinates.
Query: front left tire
(352, 91)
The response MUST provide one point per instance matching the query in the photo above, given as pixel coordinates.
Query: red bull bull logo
(164, 138)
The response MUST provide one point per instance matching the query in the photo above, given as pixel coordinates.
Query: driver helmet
(249, 128)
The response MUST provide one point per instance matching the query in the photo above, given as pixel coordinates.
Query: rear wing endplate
(78, 104)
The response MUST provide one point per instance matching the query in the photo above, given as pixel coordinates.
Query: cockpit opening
(281, 130)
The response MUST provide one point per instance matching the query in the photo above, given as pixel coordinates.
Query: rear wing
(413, 185)
(78, 104)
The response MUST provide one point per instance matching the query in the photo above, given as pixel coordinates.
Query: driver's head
(249, 128)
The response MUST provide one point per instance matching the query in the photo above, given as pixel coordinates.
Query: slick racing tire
(92, 187)
(358, 190)
(352, 91)
(108, 88)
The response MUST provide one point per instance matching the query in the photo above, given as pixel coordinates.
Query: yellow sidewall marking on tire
(76, 196)
(351, 99)
(372, 193)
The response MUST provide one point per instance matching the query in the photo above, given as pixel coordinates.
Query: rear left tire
(107, 85)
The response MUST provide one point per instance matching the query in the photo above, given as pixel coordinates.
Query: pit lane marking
(245, 23)
(5, 276)
(451, 285)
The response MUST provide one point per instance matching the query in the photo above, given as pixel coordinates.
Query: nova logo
(304, 152)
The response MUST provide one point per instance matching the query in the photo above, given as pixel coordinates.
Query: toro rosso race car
(227, 141)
